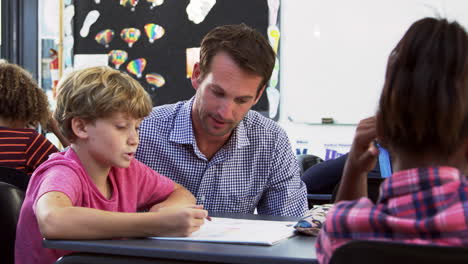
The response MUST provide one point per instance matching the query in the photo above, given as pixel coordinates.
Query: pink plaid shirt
(421, 206)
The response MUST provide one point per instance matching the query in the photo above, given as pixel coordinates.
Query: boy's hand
(177, 221)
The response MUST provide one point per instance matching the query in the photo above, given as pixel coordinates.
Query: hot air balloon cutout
(105, 37)
(131, 3)
(118, 57)
(154, 32)
(130, 35)
(155, 3)
(156, 80)
(136, 67)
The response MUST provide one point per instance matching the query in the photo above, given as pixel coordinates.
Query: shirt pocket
(243, 202)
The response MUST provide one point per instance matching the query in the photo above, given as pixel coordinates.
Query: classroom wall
(333, 60)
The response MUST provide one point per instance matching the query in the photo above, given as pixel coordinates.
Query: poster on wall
(157, 42)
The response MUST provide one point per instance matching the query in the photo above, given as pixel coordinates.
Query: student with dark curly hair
(23, 106)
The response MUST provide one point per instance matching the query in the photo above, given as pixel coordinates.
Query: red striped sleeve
(19, 147)
(39, 151)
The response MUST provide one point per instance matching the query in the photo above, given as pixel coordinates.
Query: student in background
(94, 189)
(23, 106)
(233, 159)
(422, 120)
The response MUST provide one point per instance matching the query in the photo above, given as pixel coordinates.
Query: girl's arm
(361, 160)
(59, 219)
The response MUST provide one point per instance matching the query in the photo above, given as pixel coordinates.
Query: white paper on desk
(240, 231)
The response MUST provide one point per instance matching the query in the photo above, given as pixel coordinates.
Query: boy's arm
(180, 197)
(59, 219)
(361, 160)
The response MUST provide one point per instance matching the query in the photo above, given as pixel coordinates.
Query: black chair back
(14, 177)
(381, 252)
(11, 199)
(308, 160)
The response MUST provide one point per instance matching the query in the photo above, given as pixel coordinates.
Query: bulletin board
(166, 32)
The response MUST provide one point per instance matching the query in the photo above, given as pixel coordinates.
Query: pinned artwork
(131, 3)
(136, 67)
(154, 32)
(104, 37)
(273, 8)
(197, 10)
(192, 57)
(118, 57)
(130, 35)
(156, 80)
(273, 37)
(155, 3)
(68, 14)
(90, 19)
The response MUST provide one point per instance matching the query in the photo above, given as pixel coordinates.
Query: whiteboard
(334, 53)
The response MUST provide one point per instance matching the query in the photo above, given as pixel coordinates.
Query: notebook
(240, 231)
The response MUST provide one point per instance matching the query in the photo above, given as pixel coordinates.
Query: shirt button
(202, 199)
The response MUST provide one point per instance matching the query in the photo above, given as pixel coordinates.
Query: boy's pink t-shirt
(133, 189)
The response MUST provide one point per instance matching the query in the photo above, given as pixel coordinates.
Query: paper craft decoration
(273, 7)
(105, 37)
(136, 67)
(90, 19)
(131, 3)
(155, 3)
(130, 35)
(273, 37)
(118, 57)
(154, 32)
(240, 231)
(192, 57)
(197, 10)
(155, 79)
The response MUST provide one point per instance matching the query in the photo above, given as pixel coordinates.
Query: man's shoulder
(255, 122)
(163, 112)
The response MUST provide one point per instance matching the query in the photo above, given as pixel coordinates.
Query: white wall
(333, 59)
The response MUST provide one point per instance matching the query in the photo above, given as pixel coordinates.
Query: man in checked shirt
(231, 158)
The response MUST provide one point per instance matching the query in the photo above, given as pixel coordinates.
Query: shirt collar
(182, 131)
(415, 180)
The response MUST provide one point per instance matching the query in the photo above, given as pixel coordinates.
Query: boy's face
(112, 141)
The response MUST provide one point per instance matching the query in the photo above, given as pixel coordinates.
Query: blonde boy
(94, 189)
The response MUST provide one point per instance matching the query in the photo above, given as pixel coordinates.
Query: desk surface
(298, 249)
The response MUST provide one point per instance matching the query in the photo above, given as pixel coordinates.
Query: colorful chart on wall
(157, 41)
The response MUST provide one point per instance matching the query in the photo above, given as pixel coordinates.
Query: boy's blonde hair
(98, 92)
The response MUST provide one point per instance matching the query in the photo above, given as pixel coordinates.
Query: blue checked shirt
(256, 168)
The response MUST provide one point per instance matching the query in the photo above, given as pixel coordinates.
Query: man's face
(223, 97)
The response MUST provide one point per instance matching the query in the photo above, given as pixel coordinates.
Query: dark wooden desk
(298, 249)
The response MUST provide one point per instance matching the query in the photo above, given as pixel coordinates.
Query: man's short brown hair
(246, 46)
(424, 103)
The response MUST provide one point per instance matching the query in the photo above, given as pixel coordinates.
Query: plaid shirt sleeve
(286, 194)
